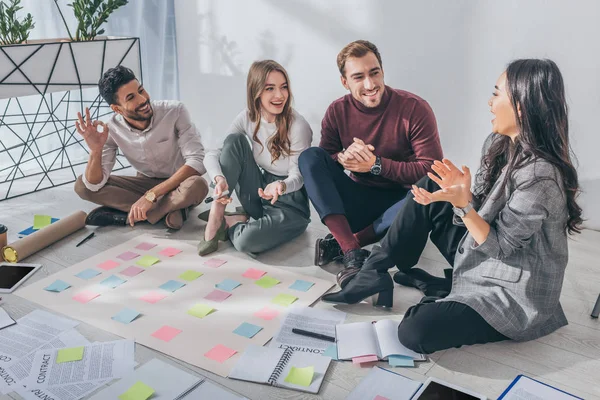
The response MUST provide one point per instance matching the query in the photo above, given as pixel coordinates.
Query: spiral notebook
(272, 366)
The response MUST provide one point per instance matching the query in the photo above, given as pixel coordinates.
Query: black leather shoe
(367, 283)
(428, 284)
(353, 262)
(105, 216)
(327, 250)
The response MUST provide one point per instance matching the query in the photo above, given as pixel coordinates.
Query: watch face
(459, 212)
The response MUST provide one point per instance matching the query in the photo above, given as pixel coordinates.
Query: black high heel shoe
(370, 283)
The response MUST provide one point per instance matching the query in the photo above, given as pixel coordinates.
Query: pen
(88, 237)
(313, 335)
(210, 199)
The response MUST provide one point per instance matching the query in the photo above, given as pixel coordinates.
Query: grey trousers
(269, 225)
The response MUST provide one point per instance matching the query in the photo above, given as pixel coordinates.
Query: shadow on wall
(589, 202)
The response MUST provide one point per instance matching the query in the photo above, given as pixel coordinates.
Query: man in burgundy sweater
(386, 138)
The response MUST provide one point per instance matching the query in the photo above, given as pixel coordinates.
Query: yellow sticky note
(284, 299)
(147, 261)
(138, 391)
(41, 221)
(70, 354)
(301, 376)
(200, 310)
(266, 282)
(190, 275)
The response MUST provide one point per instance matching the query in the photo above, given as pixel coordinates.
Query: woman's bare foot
(217, 211)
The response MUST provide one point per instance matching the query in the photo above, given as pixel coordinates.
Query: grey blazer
(514, 279)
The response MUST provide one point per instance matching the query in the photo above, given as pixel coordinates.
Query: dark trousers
(429, 326)
(333, 192)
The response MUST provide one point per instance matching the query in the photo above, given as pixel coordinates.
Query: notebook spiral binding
(285, 358)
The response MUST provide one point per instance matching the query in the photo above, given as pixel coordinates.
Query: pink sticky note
(145, 246)
(132, 271)
(166, 333)
(217, 295)
(253, 273)
(266, 313)
(378, 397)
(220, 353)
(107, 265)
(85, 296)
(214, 262)
(128, 255)
(170, 252)
(153, 297)
(364, 359)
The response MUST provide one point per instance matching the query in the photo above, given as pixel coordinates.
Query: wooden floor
(568, 359)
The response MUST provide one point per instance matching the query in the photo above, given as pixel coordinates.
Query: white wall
(449, 53)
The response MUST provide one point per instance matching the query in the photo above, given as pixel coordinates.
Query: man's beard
(140, 117)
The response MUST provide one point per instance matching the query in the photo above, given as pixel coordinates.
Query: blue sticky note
(57, 286)
(301, 285)
(113, 281)
(401, 361)
(30, 230)
(126, 315)
(247, 330)
(172, 286)
(88, 274)
(227, 284)
(331, 351)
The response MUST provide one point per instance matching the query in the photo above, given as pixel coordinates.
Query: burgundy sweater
(402, 128)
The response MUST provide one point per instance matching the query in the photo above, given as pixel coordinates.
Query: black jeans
(429, 326)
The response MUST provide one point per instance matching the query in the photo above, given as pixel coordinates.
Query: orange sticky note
(166, 333)
(153, 297)
(85, 296)
(220, 353)
(365, 359)
(266, 313)
(108, 265)
(253, 273)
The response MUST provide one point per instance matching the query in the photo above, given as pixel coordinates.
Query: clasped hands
(358, 157)
(455, 185)
(271, 192)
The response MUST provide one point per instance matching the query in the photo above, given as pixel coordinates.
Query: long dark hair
(536, 88)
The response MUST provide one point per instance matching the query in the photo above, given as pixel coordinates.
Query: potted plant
(13, 31)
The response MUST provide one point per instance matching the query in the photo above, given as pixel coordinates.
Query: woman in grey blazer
(506, 240)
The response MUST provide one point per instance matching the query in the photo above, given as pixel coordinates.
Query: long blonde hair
(279, 144)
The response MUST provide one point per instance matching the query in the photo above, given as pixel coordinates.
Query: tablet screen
(436, 391)
(10, 275)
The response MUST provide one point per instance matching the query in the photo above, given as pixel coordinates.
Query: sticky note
(200, 310)
(128, 255)
(301, 285)
(113, 281)
(70, 354)
(364, 359)
(125, 316)
(300, 376)
(172, 285)
(166, 333)
(30, 230)
(284, 299)
(147, 261)
(132, 271)
(379, 397)
(190, 275)
(247, 330)
(145, 246)
(170, 252)
(58, 286)
(266, 313)
(220, 353)
(401, 361)
(153, 297)
(108, 265)
(253, 273)
(227, 284)
(41, 221)
(266, 282)
(87, 274)
(331, 351)
(217, 295)
(85, 296)
(214, 262)
(137, 391)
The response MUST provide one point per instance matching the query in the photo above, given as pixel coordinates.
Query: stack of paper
(5, 319)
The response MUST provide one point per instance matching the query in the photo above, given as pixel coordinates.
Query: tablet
(436, 389)
(13, 275)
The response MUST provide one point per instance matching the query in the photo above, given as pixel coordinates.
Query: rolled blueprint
(43, 238)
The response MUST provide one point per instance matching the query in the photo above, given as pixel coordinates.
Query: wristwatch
(376, 168)
(150, 196)
(461, 212)
(284, 186)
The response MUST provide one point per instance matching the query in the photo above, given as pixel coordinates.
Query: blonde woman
(259, 159)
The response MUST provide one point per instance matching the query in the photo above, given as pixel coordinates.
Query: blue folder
(535, 380)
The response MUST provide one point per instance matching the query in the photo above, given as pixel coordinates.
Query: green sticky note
(41, 221)
(70, 354)
(200, 310)
(300, 376)
(190, 275)
(147, 261)
(284, 299)
(138, 391)
(266, 282)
